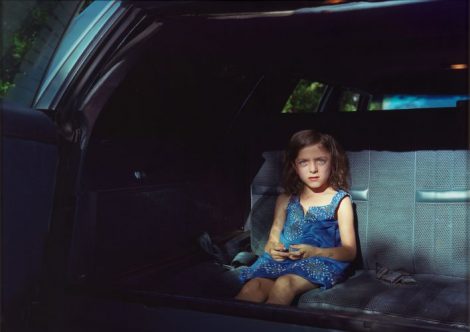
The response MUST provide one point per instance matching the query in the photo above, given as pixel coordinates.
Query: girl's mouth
(313, 178)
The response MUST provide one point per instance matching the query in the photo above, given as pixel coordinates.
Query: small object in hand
(281, 249)
(292, 249)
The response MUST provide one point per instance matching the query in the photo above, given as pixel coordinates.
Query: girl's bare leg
(256, 290)
(287, 287)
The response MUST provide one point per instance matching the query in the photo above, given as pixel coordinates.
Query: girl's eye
(321, 161)
(302, 163)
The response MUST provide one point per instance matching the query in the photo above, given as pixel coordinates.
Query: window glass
(305, 97)
(84, 5)
(84, 30)
(349, 101)
(31, 31)
(396, 102)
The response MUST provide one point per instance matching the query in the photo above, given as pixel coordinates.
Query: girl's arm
(273, 247)
(347, 250)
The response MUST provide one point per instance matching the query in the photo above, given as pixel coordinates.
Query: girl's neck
(309, 197)
(312, 192)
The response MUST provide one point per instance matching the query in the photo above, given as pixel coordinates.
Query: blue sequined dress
(317, 227)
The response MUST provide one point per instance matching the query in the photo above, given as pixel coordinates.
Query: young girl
(312, 239)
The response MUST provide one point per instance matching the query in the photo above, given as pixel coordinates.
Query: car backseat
(411, 209)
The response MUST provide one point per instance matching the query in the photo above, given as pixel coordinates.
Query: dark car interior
(182, 168)
(179, 174)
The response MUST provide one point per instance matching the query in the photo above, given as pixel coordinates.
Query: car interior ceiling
(346, 46)
(175, 151)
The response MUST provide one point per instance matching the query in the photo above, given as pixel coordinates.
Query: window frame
(60, 73)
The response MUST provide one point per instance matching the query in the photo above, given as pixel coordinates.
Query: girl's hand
(298, 251)
(277, 251)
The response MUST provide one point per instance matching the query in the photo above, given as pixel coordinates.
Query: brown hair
(339, 176)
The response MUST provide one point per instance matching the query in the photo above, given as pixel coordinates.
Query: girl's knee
(285, 281)
(293, 283)
(252, 286)
(253, 291)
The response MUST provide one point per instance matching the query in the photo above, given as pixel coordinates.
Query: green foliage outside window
(4, 87)
(349, 101)
(375, 105)
(20, 46)
(305, 97)
(21, 42)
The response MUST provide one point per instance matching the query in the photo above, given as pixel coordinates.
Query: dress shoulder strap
(293, 199)
(338, 197)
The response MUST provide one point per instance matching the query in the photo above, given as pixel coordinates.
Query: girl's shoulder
(336, 194)
(339, 196)
(283, 200)
(342, 193)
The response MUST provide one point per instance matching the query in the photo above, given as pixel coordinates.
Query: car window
(85, 29)
(396, 102)
(305, 98)
(349, 101)
(43, 41)
(31, 31)
(307, 95)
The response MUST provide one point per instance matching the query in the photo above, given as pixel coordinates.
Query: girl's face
(313, 166)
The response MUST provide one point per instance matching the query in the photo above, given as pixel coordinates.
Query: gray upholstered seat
(434, 298)
(411, 210)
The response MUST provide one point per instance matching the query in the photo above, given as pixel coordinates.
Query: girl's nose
(313, 167)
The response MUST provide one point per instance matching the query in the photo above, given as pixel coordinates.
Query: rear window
(305, 98)
(397, 102)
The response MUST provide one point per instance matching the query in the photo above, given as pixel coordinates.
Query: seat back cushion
(264, 191)
(411, 208)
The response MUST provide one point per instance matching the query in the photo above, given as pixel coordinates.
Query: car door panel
(29, 161)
